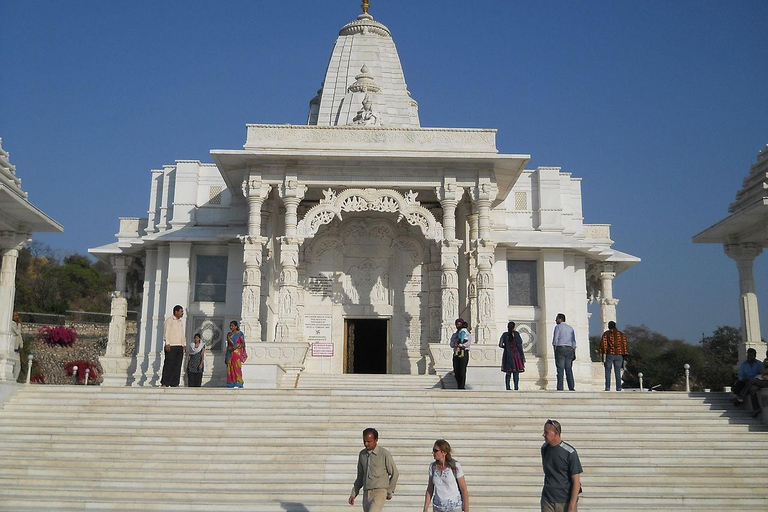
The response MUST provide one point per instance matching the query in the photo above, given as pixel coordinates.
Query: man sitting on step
(754, 387)
(749, 369)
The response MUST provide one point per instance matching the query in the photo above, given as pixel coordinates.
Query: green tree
(721, 355)
(660, 360)
(48, 283)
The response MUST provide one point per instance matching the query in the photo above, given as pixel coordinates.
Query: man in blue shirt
(564, 341)
(748, 369)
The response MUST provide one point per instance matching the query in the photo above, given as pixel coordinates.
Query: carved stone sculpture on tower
(367, 116)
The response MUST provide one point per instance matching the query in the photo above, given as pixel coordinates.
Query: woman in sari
(513, 360)
(236, 356)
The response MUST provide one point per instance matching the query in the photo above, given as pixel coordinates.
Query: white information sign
(317, 331)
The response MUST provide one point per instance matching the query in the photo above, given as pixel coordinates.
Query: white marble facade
(358, 239)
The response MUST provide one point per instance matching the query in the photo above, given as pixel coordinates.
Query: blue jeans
(612, 360)
(564, 361)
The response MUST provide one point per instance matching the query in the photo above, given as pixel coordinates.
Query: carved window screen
(214, 195)
(523, 283)
(521, 201)
(211, 279)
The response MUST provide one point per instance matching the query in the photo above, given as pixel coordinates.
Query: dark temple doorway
(366, 345)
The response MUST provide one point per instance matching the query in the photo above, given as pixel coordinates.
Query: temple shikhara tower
(352, 243)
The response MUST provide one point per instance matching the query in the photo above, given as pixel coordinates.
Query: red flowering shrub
(59, 335)
(37, 379)
(81, 366)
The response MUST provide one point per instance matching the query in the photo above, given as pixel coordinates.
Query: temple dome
(364, 64)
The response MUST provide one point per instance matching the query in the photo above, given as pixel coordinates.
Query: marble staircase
(67, 448)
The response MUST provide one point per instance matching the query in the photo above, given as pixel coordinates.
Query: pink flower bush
(59, 335)
(81, 366)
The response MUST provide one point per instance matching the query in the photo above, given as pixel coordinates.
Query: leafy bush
(95, 371)
(59, 335)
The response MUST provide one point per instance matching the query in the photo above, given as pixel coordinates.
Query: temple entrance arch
(369, 268)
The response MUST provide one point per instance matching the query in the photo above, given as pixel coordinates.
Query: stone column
(744, 254)
(253, 250)
(449, 195)
(435, 315)
(472, 275)
(114, 362)
(482, 197)
(287, 328)
(607, 302)
(9, 360)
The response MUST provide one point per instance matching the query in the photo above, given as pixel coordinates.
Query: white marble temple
(352, 243)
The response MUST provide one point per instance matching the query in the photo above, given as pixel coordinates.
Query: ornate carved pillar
(482, 197)
(114, 362)
(9, 360)
(435, 298)
(449, 196)
(253, 250)
(287, 328)
(472, 276)
(607, 302)
(744, 254)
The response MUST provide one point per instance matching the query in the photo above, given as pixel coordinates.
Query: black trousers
(460, 369)
(172, 367)
(194, 379)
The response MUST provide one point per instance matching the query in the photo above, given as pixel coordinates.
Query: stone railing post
(30, 360)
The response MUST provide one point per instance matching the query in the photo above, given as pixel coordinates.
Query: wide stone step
(75, 448)
(232, 496)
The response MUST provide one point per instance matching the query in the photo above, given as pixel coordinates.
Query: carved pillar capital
(742, 251)
(482, 196)
(291, 192)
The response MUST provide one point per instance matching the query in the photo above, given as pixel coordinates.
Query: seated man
(749, 369)
(755, 385)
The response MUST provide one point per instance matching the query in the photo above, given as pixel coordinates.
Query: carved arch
(374, 200)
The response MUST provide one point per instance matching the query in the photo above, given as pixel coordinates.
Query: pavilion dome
(364, 68)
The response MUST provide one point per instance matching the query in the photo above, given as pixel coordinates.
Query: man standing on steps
(376, 474)
(564, 341)
(615, 350)
(175, 347)
(562, 472)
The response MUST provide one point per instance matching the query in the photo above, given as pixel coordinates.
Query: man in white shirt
(175, 347)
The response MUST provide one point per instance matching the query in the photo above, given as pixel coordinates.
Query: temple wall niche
(368, 267)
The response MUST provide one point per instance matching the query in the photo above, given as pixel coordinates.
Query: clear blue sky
(660, 106)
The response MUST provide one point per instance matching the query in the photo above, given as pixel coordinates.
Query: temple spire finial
(365, 6)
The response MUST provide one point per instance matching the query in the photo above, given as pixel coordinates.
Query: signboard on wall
(317, 331)
(322, 350)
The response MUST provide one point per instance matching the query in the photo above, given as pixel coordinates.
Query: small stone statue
(367, 116)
